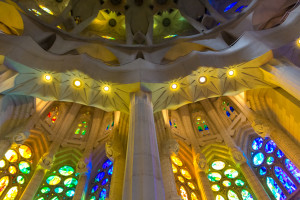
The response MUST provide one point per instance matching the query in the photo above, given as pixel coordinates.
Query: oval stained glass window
(110, 171)
(94, 189)
(12, 169)
(106, 164)
(20, 179)
(194, 196)
(2, 163)
(270, 160)
(215, 188)
(25, 151)
(275, 189)
(66, 170)
(279, 153)
(262, 171)
(45, 190)
(191, 185)
(183, 193)
(258, 159)
(270, 146)
(24, 167)
(58, 190)
(176, 161)
(218, 165)
(41, 198)
(11, 156)
(232, 195)
(104, 181)
(3, 184)
(293, 169)
(70, 182)
(174, 168)
(219, 197)
(185, 174)
(181, 179)
(239, 182)
(226, 183)
(102, 194)
(54, 198)
(93, 198)
(257, 143)
(214, 176)
(246, 195)
(11, 194)
(231, 173)
(70, 193)
(99, 176)
(285, 180)
(53, 180)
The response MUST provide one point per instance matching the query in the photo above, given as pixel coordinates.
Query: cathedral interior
(149, 99)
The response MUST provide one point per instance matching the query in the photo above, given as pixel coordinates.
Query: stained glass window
(82, 125)
(185, 182)
(229, 110)
(277, 173)
(100, 183)
(59, 183)
(173, 123)
(16, 166)
(52, 116)
(201, 125)
(227, 182)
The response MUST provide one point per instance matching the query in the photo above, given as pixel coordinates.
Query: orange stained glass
(12, 169)
(191, 185)
(186, 174)
(194, 196)
(176, 160)
(11, 156)
(174, 169)
(2, 163)
(3, 183)
(11, 194)
(25, 151)
(181, 179)
(183, 193)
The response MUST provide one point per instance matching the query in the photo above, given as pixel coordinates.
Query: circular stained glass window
(66, 170)
(270, 146)
(103, 194)
(246, 195)
(239, 182)
(262, 171)
(58, 190)
(93, 198)
(270, 160)
(70, 182)
(215, 187)
(54, 198)
(176, 160)
(53, 180)
(191, 185)
(25, 151)
(45, 190)
(99, 177)
(257, 143)
(181, 179)
(279, 153)
(70, 193)
(11, 156)
(218, 165)
(226, 183)
(107, 164)
(94, 189)
(24, 167)
(231, 173)
(214, 176)
(12, 169)
(232, 195)
(104, 181)
(2, 163)
(186, 174)
(258, 159)
(20, 179)
(219, 197)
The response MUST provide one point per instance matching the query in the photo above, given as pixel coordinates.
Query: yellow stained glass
(186, 174)
(194, 196)
(183, 193)
(2, 163)
(174, 169)
(25, 151)
(3, 184)
(11, 194)
(218, 165)
(191, 185)
(181, 179)
(11, 156)
(12, 169)
(219, 197)
(176, 160)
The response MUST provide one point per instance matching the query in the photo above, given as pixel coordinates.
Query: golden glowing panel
(219, 197)
(191, 185)
(176, 160)
(12, 169)
(47, 10)
(183, 193)
(25, 151)
(2, 163)
(194, 196)
(215, 188)
(3, 184)
(181, 179)
(11, 156)
(11, 194)
(174, 169)
(186, 174)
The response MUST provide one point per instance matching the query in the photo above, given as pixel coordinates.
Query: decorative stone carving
(170, 146)
(200, 162)
(237, 155)
(81, 167)
(46, 161)
(261, 127)
(18, 138)
(114, 148)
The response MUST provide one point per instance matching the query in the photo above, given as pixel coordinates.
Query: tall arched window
(59, 183)
(276, 172)
(227, 182)
(15, 171)
(99, 189)
(185, 182)
(229, 110)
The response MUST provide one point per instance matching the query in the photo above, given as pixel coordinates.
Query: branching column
(200, 165)
(82, 170)
(143, 177)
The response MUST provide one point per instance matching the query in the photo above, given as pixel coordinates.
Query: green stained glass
(83, 132)
(66, 170)
(54, 198)
(214, 176)
(70, 193)
(45, 190)
(218, 165)
(215, 187)
(93, 198)
(232, 195)
(20, 179)
(24, 167)
(227, 183)
(70, 182)
(231, 173)
(58, 190)
(77, 131)
(270, 160)
(239, 182)
(53, 180)
(246, 195)
(41, 198)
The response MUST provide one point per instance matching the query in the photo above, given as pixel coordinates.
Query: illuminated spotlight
(106, 88)
(174, 86)
(202, 79)
(298, 42)
(48, 77)
(77, 83)
(231, 72)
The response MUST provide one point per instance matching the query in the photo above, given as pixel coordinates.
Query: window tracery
(52, 116)
(15, 171)
(82, 125)
(185, 182)
(227, 182)
(277, 173)
(99, 189)
(229, 110)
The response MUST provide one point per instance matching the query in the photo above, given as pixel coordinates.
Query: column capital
(114, 148)
(81, 167)
(237, 155)
(169, 147)
(262, 126)
(46, 161)
(200, 162)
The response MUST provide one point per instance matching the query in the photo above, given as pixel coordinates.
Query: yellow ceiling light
(231, 72)
(47, 77)
(106, 88)
(174, 86)
(77, 83)
(298, 42)
(202, 79)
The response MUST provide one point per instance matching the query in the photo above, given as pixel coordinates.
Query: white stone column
(80, 188)
(143, 177)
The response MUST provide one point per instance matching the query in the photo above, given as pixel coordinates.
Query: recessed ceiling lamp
(77, 83)
(106, 88)
(174, 86)
(298, 42)
(47, 77)
(202, 79)
(231, 72)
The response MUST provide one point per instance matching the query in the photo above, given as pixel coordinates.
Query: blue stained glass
(99, 176)
(246, 195)
(106, 164)
(102, 194)
(275, 189)
(170, 122)
(205, 127)
(270, 146)
(231, 108)
(258, 159)
(285, 180)
(257, 143)
(279, 153)
(104, 181)
(110, 171)
(94, 189)
(262, 171)
(270, 160)
(230, 6)
(200, 128)
(293, 169)
(239, 9)
(227, 113)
